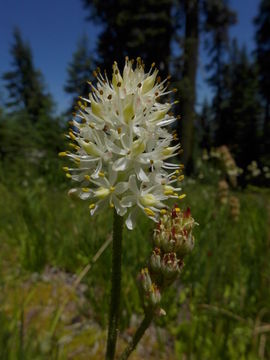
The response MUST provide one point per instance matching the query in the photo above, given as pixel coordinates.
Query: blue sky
(53, 28)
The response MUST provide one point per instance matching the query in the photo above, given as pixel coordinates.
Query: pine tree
(218, 19)
(187, 85)
(213, 17)
(240, 109)
(141, 28)
(25, 83)
(262, 23)
(79, 71)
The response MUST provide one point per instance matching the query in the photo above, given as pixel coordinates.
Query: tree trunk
(188, 87)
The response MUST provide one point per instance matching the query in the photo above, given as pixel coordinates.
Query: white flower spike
(121, 146)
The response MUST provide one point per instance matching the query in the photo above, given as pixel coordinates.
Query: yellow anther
(68, 175)
(180, 197)
(177, 210)
(168, 192)
(62, 154)
(92, 206)
(77, 160)
(112, 188)
(167, 151)
(72, 136)
(173, 177)
(86, 190)
(119, 130)
(149, 212)
(111, 205)
(163, 211)
(87, 177)
(91, 125)
(181, 177)
(101, 174)
(65, 168)
(73, 146)
(177, 172)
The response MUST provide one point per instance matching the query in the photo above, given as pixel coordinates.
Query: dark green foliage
(29, 133)
(187, 85)
(214, 17)
(79, 71)
(24, 83)
(218, 18)
(240, 108)
(262, 23)
(133, 28)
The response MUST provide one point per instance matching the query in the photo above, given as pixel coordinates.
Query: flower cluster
(234, 208)
(173, 240)
(227, 162)
(122, 149)
(223, 192)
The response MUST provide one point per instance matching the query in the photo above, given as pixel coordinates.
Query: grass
(216, 311)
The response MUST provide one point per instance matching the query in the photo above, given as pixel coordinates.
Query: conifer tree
(262, 23)
(187, 85)
(24, 83)
(79, 70)
(218, 18)
(213, 17)
(141, 28)
(240, 108)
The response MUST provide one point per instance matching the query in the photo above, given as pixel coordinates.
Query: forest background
(223, 87)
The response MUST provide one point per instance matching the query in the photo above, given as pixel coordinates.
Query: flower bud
(171, 266)
(145, 279)
(174, 232)
(154, 295)
(155, 260)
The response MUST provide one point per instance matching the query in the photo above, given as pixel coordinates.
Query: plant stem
(115, 287)
(137, 336)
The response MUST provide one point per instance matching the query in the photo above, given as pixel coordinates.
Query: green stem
(137, 336)
(116, 286)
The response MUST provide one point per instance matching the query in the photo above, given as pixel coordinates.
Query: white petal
(131, 219)
(141, 174)
(112, 175)
(133, 184)
(114, 148)
(129, 200)
(98, 168)
(121, 164)
(121, 210)
(121, 187)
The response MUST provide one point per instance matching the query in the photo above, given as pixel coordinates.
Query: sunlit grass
(224, 286)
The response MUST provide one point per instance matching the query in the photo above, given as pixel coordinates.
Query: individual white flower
(122, 149)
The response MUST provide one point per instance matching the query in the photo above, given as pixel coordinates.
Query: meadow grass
(214, 312)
